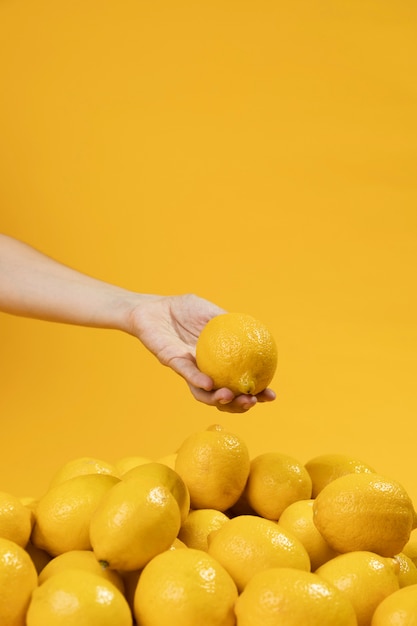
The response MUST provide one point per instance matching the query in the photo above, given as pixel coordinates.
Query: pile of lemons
(210, 536)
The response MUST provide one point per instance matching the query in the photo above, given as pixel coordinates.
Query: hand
(169, 327)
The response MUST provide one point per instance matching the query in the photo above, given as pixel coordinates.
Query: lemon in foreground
(15, 519)
(364, 512)
(291, 597)
(408, 570)
(297, 519)
(248, 544)
(214, 464)
(80, 559)
(64, 512)
(75, 597)
(135, 520)
(326, 467)
(398, 609)
(238, 352)
(184, 588)
(18, 578)
(80, 466)
(162, 474)
(410, 548)
(364, 577)
(199, 524)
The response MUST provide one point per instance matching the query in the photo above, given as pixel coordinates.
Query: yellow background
(261, 154)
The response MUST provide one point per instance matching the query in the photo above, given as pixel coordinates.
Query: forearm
(37, 286)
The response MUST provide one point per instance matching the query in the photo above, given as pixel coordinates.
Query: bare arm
(35, 285)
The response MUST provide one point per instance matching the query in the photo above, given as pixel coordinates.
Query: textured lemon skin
(135, 521)
(291, 597)
(185, 588)
(238, 352)
(364, 577)
(215, 467)
(364, 511)
(18, 580)
(74, 598)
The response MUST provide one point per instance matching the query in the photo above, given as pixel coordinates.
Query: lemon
(238, 352)
(184, 588)
(364, 512)
(291, 597)
(326, 467)
(275, 481)
(126, 463)
(198, 525)
(80, 466)
(15, 519)
(63, 513)
(410, 548)
(84, 560)
(398, 609)
(364, 577)
(162, 474)
(214, 464)
(247, 544)
(297, 518)
(75, 597)
(135, 520)
(18, 578)
(408, 570)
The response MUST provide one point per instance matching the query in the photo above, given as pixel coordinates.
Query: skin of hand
(37, 286)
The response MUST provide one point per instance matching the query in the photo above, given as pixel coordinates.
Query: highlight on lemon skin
(238, 352)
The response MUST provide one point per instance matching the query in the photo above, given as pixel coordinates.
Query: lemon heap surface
(209, 534)
(238, 352)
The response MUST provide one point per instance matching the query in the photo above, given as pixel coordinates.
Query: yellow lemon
(326, 467)
(238, 352)
(364, 577)
(364, 512)
(291, 597)
(410, 548)
(63, 513)
(135, 520)
(214, 464)
(18, 578)
(75, 597)
(80, 466)
(398, 609)
(248, 544)
(15, 519)
(275, 481)
(126, 463)
(84, 560)
(184, 588)
(297, 518)
(198, 525)
(408, 570)
(162, 474)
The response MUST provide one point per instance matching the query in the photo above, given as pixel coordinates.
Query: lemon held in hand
(238, 352)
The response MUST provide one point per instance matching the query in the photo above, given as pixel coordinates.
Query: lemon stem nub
(104, 564)
(246, 384)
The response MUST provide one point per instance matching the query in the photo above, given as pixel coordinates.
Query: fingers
(225, 400)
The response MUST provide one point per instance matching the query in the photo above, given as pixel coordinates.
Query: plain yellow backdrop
(261, 154)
